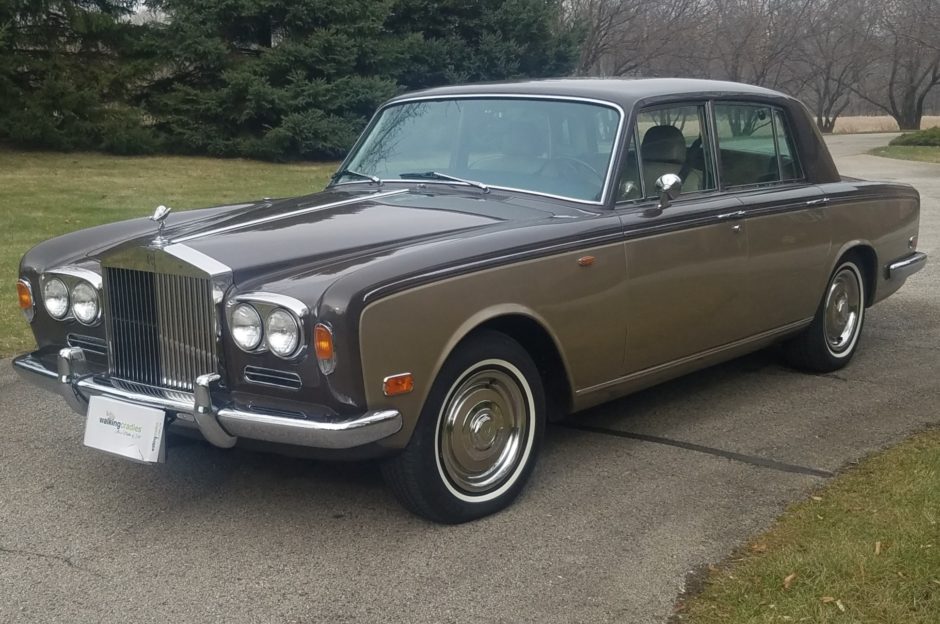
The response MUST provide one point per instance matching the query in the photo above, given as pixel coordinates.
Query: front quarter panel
(414, 331)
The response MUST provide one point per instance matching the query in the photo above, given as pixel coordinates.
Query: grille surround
(161, 314)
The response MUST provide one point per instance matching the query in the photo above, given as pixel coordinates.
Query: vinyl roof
(623, 91)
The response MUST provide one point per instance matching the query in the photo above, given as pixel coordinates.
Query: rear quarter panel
(882, 216)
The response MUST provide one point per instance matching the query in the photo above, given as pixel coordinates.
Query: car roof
(623, 91)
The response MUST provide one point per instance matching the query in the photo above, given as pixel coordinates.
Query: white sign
(125, 429)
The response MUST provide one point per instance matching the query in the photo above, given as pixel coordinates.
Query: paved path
(606, 533)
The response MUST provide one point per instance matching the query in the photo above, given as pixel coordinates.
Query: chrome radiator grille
(161, 327)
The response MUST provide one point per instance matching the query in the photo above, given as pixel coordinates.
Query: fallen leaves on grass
(788, 581)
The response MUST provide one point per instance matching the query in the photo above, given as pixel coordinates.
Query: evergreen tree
(67, 69)
(280, 79)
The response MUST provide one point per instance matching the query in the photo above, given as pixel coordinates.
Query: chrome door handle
(737, 214)
(736, 229)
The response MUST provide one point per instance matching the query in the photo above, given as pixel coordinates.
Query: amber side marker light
(398, 384)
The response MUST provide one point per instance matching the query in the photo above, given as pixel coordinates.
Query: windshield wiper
(434, 175)
(356, 174)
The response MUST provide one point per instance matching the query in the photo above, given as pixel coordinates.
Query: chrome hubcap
(843, 310)
(483, 430)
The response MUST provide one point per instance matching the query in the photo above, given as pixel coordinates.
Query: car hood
(316, 232)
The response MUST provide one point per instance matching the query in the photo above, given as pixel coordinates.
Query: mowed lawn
(46, 194)
(865, 548)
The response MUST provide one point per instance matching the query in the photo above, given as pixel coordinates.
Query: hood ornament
(159, 217)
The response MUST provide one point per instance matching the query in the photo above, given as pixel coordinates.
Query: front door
(686, 264)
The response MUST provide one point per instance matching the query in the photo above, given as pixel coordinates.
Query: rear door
(788, 233)
(687, 264)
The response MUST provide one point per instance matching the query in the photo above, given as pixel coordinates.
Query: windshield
(552, 147)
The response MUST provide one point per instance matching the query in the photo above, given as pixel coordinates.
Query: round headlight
(85, 304)
(247, 329)
(55, 296)
(283, 333)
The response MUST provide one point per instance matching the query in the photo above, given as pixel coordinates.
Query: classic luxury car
(488, 258)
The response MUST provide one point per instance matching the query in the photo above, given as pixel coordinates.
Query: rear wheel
(478, 436)
(830, 341)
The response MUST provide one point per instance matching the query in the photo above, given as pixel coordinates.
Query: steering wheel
(573, 165)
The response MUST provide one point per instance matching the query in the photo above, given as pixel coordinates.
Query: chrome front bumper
(222, 426)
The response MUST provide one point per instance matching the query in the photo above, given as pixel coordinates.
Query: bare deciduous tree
(907, 64)
(833, 52)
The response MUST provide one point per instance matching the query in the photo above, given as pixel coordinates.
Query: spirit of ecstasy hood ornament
(159, 217)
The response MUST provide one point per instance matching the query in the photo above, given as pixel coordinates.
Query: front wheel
(829, 342)
(478, 436)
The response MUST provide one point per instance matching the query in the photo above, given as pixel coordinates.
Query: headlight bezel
(72, 277)
(267, 304)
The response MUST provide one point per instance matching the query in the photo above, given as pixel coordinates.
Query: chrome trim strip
(210, 265)
(274, 300)
(905, 267)
(615, 150)
(695, 356)
(272, 378)
(278, 217)
(78, 273)
(219, 426)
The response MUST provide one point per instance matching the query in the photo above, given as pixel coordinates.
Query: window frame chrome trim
(488, 95)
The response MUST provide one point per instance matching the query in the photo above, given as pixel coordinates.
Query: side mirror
(669, 186)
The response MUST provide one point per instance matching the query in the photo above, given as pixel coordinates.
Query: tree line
(834, 54)
(298, 79)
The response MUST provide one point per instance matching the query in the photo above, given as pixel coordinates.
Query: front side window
(754, 144)
(673, 139)
(552, 147)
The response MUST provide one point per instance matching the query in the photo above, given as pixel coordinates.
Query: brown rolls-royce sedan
(488, 258)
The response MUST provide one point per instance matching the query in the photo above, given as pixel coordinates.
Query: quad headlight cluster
(275, 328)
(74, 292)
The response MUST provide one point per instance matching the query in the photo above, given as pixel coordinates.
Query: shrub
(929, 137)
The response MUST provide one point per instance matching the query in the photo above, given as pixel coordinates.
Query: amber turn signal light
(24, 295)
(398, 384)
(323, 346)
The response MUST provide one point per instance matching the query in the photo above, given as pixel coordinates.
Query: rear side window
(754, 144)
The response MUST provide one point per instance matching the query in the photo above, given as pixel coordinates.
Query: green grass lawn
(46, 194)
(909, 152)
(866, 548)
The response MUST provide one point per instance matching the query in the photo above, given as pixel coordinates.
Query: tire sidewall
(846, 354)
(488, 349)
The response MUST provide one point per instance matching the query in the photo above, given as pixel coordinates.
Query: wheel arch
(865, 252)
(535, 336)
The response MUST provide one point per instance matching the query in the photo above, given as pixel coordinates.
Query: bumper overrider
(210, 412)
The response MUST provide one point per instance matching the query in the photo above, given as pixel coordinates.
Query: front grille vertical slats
(161, 328)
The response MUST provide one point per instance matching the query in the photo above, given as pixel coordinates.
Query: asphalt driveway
(619, 511)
